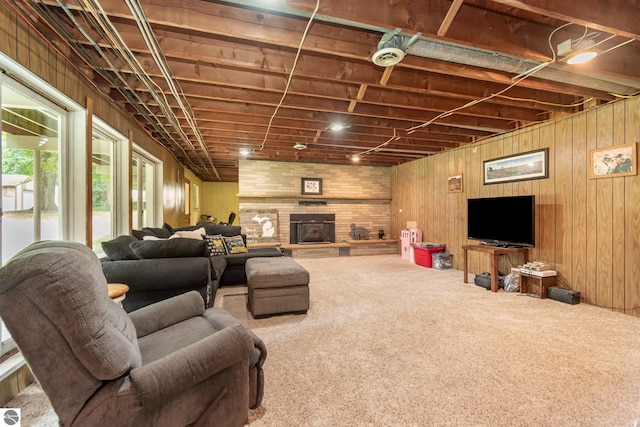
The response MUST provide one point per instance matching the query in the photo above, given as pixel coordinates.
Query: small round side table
(118, 292)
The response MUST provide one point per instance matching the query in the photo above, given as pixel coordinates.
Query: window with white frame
(145, 188)
(32, 141)
(43, 141)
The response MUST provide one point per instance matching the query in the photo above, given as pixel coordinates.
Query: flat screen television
(502, 221)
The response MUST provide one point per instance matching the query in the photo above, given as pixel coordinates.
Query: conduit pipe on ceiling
(500, 62)
(459, 54)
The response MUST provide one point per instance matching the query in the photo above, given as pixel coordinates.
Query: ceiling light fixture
(299, 145)
(391, 48)
(580, 50)
(245, 151)
(581, 58)
(387, 56)
(337, 126)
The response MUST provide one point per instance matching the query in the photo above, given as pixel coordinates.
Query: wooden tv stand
(494, 251)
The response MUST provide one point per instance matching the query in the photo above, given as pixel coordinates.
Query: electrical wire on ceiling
(553, 104)
(293, 69)
(395, 137)
(517, 80)
(478, 101)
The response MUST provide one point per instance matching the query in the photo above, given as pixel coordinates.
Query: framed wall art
(517, 167)
(259, 225)
(454, 184)
(312, 186)
(609, 162)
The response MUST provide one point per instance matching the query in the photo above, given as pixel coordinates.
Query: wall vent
(312, 203)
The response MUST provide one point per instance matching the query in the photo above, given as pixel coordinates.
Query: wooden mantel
(310, 197)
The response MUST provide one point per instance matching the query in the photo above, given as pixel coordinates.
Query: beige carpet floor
(388, 343)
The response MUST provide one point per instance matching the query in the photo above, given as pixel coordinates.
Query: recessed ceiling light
(337, 126)
(582, 57)
(579, 52)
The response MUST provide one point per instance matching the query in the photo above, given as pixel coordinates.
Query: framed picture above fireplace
(312, 186)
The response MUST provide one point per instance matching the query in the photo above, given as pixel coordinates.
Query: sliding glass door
(31, 135)
(143, 191)
(103, 198)
(30, 209)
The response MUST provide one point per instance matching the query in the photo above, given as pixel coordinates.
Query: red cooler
(424, 252)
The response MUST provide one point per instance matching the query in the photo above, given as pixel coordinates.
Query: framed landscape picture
(609, 162)
(454, 184)
(517, 167)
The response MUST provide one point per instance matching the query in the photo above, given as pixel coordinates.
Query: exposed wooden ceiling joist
(231, 61)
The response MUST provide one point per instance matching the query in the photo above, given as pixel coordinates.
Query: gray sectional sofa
(160, 269)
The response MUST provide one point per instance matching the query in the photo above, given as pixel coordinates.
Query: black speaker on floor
(483, 280)
(564, 295)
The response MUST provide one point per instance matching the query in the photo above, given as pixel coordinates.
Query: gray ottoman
(277, 285)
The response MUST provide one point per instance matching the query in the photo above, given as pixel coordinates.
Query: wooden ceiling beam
(257, 132)
(286, 121)
(374, 97)
(252, 138)
(612, 16)
(270, 55)
(449, 17)
(369, 111)
(408, 80)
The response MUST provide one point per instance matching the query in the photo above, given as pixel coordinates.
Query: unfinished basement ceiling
(208, 78)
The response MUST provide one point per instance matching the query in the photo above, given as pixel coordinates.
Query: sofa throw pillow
(225, 230)
(168, 228)
(215, 244)
(170, 248)
(186, 228)
(158, 232)
(195, 234)
(139, 234)
(118, 249)
(234, 245)
(153, 238)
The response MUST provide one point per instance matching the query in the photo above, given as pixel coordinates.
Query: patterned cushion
(215, 244)
(234, 245)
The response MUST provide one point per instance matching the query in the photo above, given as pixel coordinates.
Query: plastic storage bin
(442, 260)
(423, 254)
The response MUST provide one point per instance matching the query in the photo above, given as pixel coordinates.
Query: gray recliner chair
(172, 363)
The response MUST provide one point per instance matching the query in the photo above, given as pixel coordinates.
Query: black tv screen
(502, 221)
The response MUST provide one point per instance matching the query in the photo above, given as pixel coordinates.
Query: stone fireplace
(306, 229)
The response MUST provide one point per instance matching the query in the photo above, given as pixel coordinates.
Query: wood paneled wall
(588, 229)
(219, 199)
